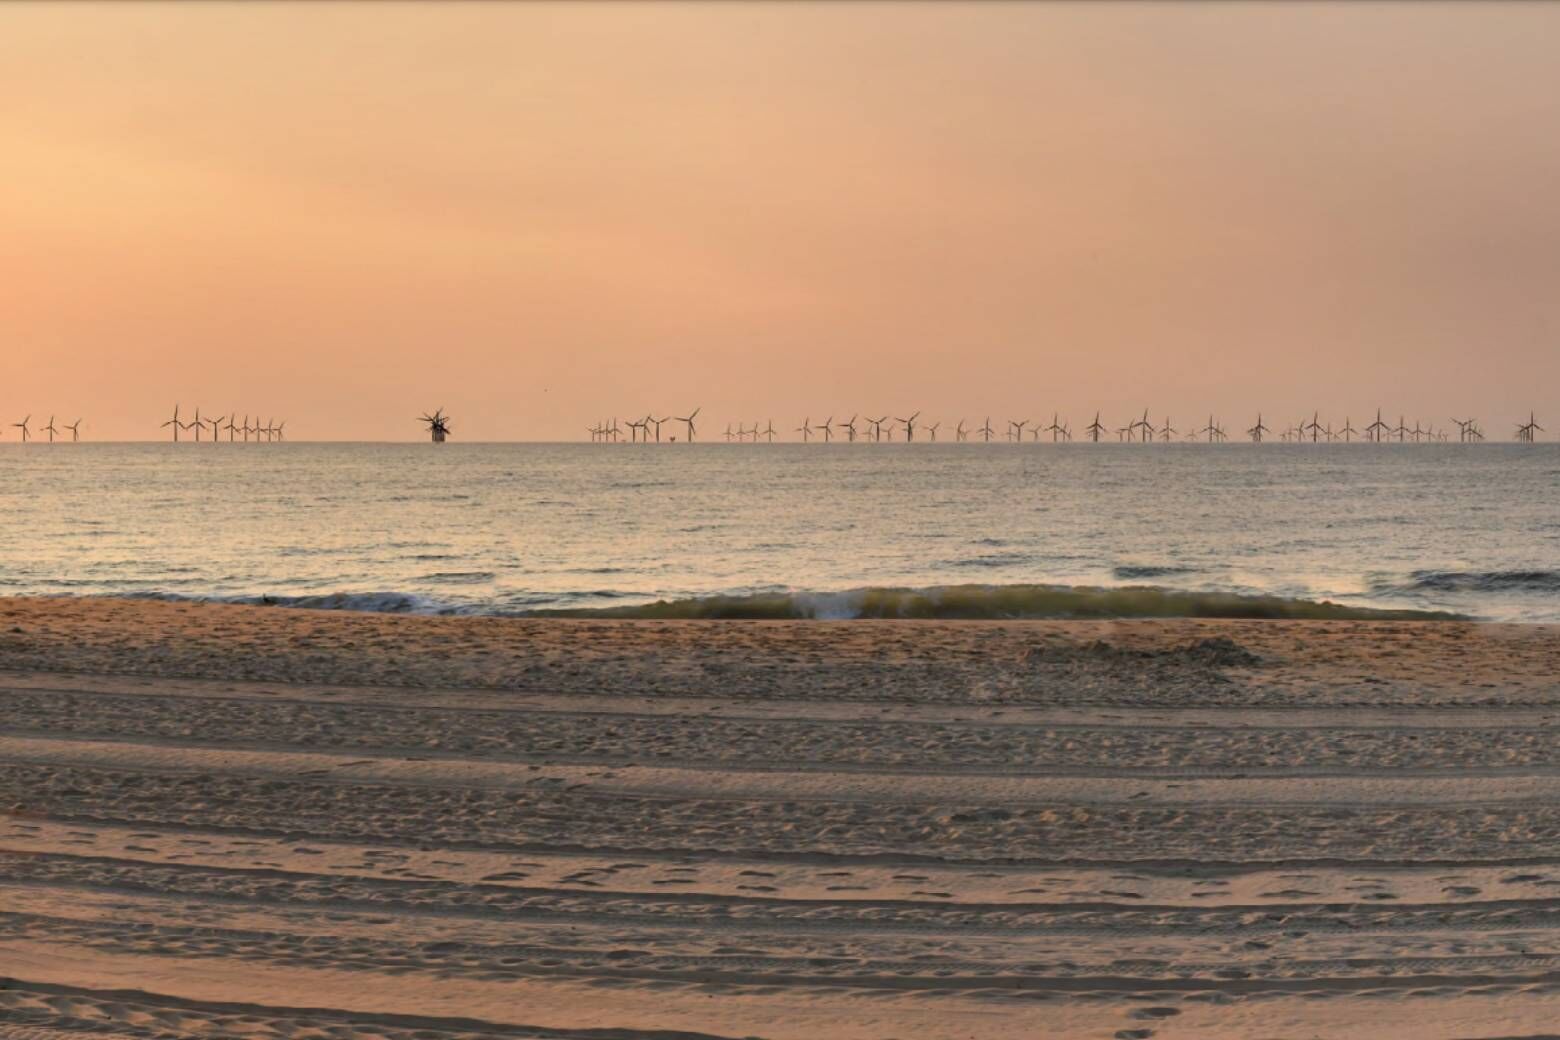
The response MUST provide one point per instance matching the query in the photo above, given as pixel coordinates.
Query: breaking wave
(944, 602)
(994, 602)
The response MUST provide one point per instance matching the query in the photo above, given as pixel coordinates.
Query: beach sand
(225, 821)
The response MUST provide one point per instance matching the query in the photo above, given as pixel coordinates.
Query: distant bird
(75, 430)
(174, 422)
(438, 425)
(687, 420)
(26, 433)
(910, 426)
(1095, 429)
(50, 430)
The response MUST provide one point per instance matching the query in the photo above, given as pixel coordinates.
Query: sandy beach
(228, 821)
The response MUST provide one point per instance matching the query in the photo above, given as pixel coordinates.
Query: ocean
(523, 528)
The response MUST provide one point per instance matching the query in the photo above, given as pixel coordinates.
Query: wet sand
(225, 821)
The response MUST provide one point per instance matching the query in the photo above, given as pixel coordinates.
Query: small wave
(459, 577)
(1471, 581)
(1145, 571)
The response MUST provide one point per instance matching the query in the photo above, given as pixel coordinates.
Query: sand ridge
(240, 822)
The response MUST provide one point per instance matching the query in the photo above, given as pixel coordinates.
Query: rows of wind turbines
(271, 431)
(1138, 431)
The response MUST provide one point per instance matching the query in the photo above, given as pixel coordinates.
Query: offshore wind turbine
(960, 434)
(770, 431)
(933, 428)
(196, 424)
(1258, 430)
(828, 430)
(1211, 430)
(1145, 426)
(1095, 429)
(174, 422)
(1526, 430)
(1314, 426)
(1377, 428)
(1401, 429)
(687, 420)
(805, 429)
(1016, 430)
(850, 430)
(50, 430)
(986, 431)
(1054, 429)
(910, 426)
(23, 427)
(1167, 431)
(75, 431)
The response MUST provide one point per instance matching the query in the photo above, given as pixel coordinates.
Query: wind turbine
(1095, 429)
(1016, 430)
(1348, 430)
(1168, 431)
(438, 425)
(196, 424)
(828, 429)
(933, 428)
(1526, 431)
(75, 430)
(1401, 429)
(174, 422)
(1377, 428)
(1258, 430)
(23, 427)
(986, 431)
(50, 430)
(850, 430)
(805, 429)
(216, 429)
(1145, 426)
(1314, 426)
(770, 432)
(688, 421)
(1211, 430)
(877, 427)
(909, 426)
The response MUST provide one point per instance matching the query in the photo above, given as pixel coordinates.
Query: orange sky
(535, 215)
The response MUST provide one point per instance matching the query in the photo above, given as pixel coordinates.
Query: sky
(537, 216)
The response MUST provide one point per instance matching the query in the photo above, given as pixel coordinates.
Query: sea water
(518, 528)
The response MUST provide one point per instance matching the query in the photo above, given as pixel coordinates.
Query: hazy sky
(536, 215)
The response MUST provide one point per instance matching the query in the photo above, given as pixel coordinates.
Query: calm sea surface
(506, 528)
